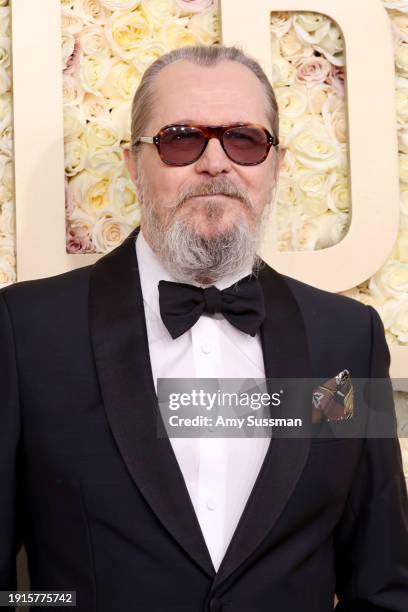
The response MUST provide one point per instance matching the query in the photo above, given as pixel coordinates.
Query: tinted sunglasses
(181, 144)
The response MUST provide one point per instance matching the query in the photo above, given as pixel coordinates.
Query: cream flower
(205, 27)
(160, 11)
(303, 234)
(330, 229)
(399, 5)
(74, 122)
(5, 82)
(401, 58)
(311, 70)
(317, 96)
(281, 22)
(174, 36)
(5, 51)
(193, 6)
(332, 46)
(391, 281)
(399, 25)
(109, 232)
(311, 28)
(339, 195)
(96, 107)
(292, 101)
(4, 21)
(288, 191)
(403, 167)
(123, 199)
(6, 179)
(127, 31)
(292, 47)
(5, 111)
(104, 161)
(7, 226)
(401, 101)
(121, 119)
(312, 205)
(395, 317)
(75, 155)
(120, 5)
(7, 272)
(93, 40)
(67, 47)
(70, 22)
(102, 134)
(121, 81)
(285, 127)
(93, 71)
(315, 183)
(91, 11)
(148, 52)
(283, 72)
(313, 146)
(334, 119)
(72, 90)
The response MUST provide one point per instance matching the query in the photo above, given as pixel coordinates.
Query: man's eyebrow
(193, 122)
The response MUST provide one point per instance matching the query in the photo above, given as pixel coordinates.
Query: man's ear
(130, 162)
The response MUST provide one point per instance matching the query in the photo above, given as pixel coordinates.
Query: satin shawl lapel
(286, 355)
(120, 344)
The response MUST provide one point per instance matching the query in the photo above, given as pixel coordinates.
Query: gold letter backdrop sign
(75, 115)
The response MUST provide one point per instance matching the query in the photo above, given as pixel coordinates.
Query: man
(134, 521)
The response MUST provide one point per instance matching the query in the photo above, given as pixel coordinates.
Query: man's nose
(214, 160)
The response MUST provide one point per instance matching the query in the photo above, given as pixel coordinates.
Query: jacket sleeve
(10, 456)
(371, 540)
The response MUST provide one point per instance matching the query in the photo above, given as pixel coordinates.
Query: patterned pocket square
(333, 399)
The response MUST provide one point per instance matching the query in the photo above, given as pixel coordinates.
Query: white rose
(5, 21)
(330, 229)
(5, 111)
(194, 6)
(401, 57)
(303, 234)
(5, 51)
(317, 96)
(101, 134)
(68, 44)
(6, 179)
(339, 195)
(123, 199)
(402, 241)
(313, 146)
(120, 5)
(5, 82)
(395, 317)
(126, 32)
(109, 232)
(104, 161)
(399, 5)
(93, 40)
(7, 224)
(401, 101)
(121, 119)
(292, 101)
(332, 46)
(148, 52)
(283, 72)
(315, 183)
(75, 155)
(281, 22)
(311, 28)
(292, 47)
(72, 90)
(205, 27)
(160, 11)
(93, 71)
(74, 122)
(7, 273)
(77, 193)
(121, 81)
(95, 107)
(285, 127)
(70, 22)
(404, 199)
(336, 122)
(403, 167)
(312, 205)
(403, 140)
(91, 11)
(175, 36)
(391, 281)
(288, 191)
(96, 196)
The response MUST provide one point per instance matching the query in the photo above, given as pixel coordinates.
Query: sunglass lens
(181, 145)
(246, 144)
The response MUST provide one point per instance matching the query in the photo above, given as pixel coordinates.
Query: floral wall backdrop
(107, 45)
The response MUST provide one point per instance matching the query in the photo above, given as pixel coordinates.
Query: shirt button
(206, 348)
(211, 505)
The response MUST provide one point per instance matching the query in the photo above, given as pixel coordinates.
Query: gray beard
(203, 260)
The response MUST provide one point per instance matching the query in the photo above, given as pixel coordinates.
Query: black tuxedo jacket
(100, 502)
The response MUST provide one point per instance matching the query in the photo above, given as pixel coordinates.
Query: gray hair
(201, 55)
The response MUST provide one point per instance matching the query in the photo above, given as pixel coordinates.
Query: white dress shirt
(219, 472)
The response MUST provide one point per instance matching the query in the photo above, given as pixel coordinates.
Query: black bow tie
(242, 304)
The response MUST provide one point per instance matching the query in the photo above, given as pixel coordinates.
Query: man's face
(224, 94)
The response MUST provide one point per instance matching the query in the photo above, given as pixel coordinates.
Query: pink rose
(336, 80)
(194, 6)
(312, 70)
(79, 240)
(73, 60)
